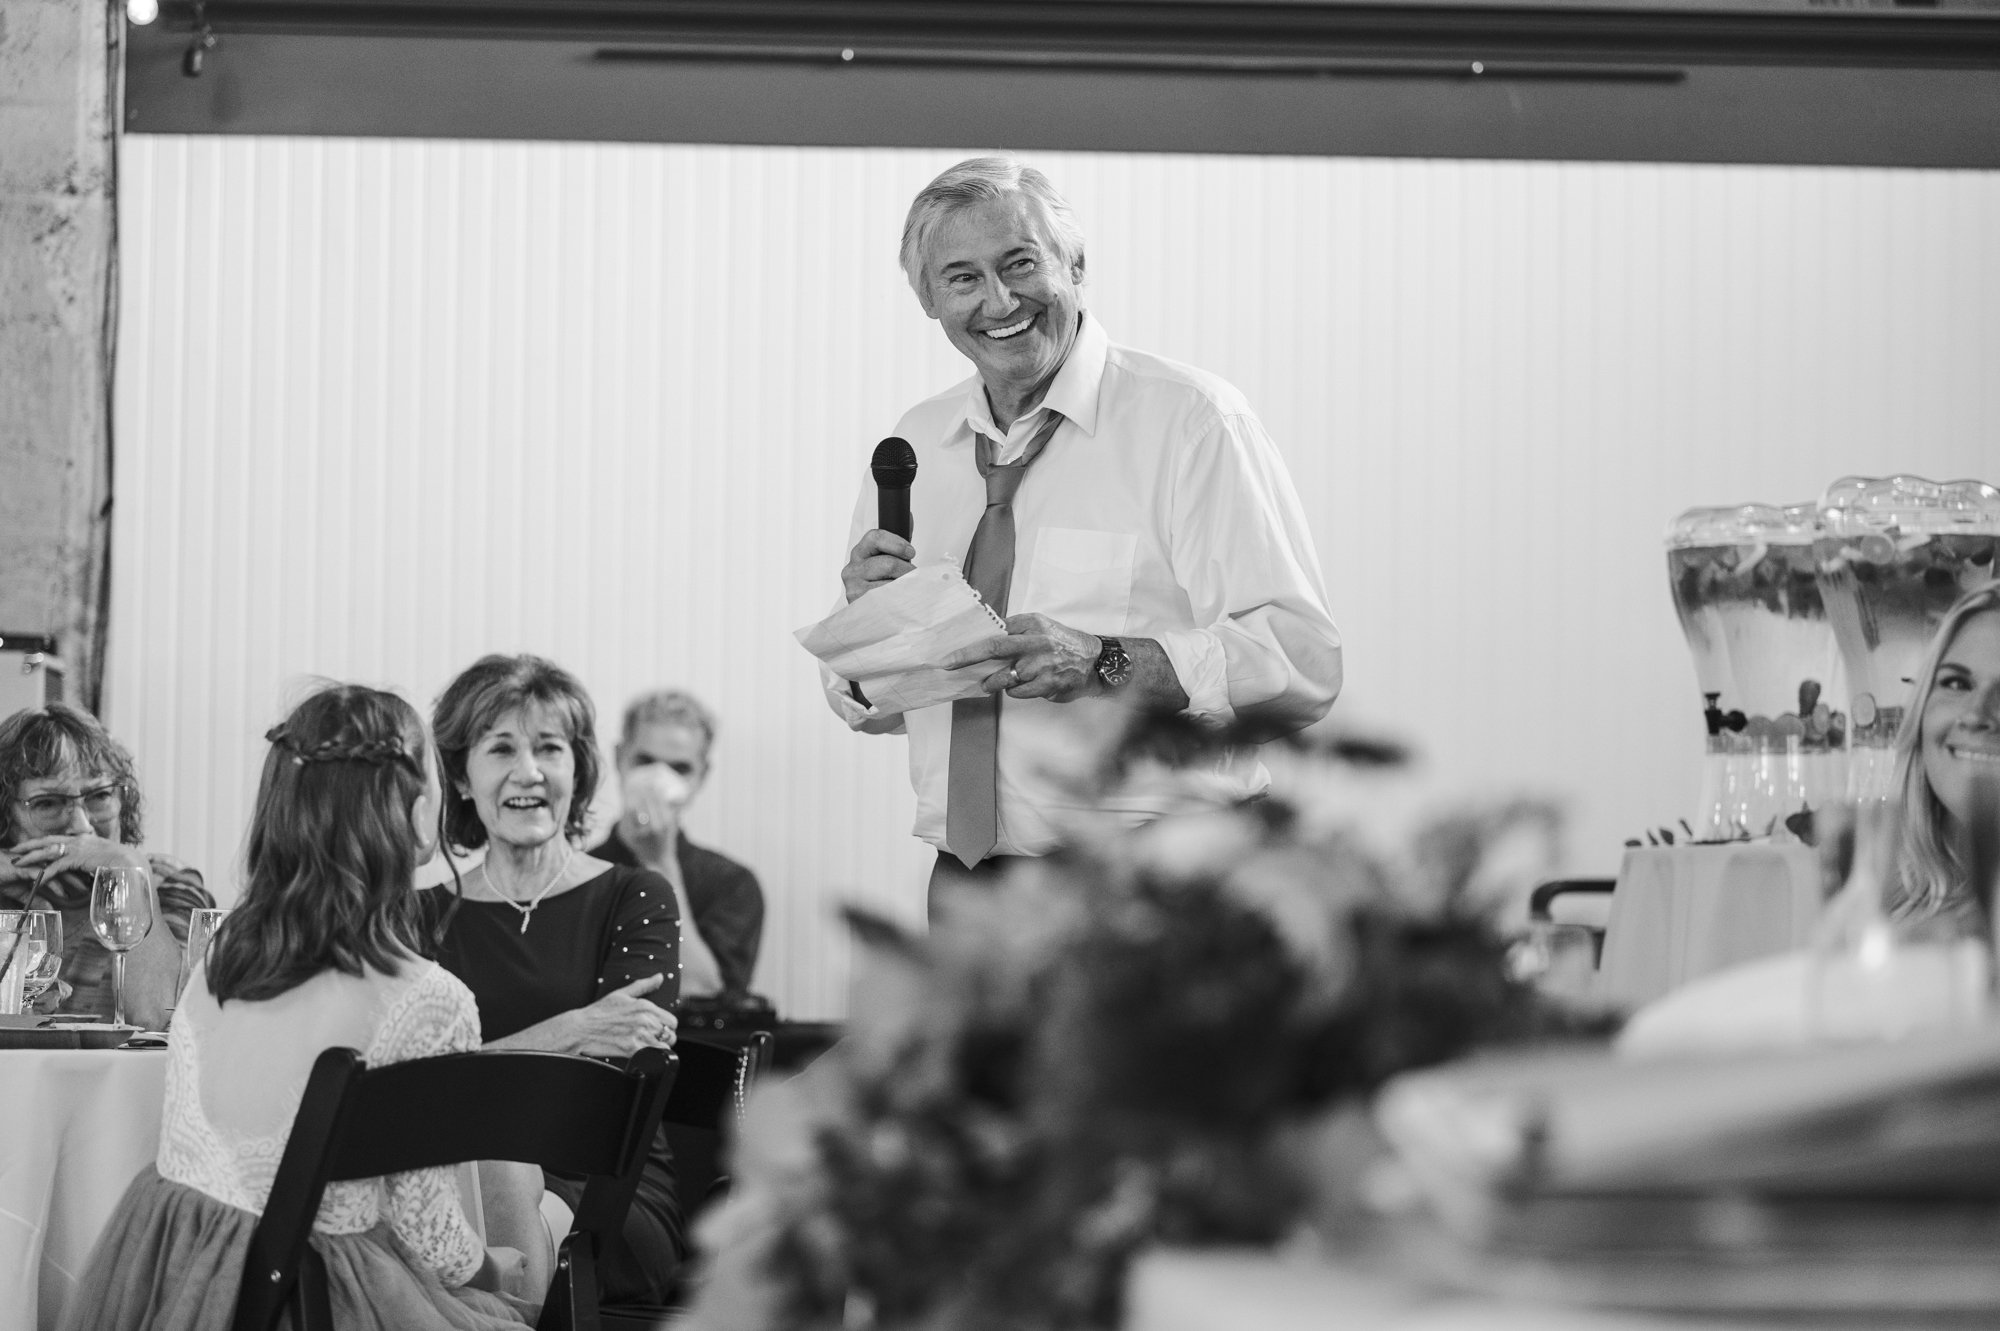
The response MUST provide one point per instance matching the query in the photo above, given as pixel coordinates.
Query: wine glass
(121, 911)
(13, 956)
(44, 950)
(202, 924)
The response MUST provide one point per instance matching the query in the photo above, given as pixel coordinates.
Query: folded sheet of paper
(890, 641)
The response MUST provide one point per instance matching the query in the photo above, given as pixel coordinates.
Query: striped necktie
(971, 811)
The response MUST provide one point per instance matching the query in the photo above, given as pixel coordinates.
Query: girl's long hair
(1930, 880)
(332, 859)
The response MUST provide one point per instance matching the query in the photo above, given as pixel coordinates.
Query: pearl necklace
(528, 911)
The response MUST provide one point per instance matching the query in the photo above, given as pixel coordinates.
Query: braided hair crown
(360, 734)
(374, 752)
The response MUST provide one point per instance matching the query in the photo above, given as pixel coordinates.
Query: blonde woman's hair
(1930, 878)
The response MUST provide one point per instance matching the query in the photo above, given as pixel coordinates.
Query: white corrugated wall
(386, 405)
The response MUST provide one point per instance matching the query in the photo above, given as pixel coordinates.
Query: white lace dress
(398, 1250)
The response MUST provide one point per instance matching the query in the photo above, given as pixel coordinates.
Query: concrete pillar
(57, 174)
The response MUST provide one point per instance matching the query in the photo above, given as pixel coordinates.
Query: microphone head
(894, 464)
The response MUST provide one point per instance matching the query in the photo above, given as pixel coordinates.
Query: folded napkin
(890, 640)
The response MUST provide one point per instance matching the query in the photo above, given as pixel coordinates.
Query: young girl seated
(320, 952)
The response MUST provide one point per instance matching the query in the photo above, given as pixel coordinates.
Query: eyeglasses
(55, 810)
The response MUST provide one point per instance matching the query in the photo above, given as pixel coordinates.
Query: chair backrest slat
(418, 1113)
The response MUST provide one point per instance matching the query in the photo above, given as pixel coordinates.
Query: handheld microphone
(895, 468)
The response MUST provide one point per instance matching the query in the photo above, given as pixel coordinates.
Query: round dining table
(81, 1123)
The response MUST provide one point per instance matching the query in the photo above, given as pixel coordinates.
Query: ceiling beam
(1699, 81)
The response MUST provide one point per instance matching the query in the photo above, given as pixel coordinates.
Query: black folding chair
(716, 1074)
(705, 1107)
(562, 1112)
(1542, 900)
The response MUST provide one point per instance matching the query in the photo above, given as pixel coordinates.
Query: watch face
(1114, 667)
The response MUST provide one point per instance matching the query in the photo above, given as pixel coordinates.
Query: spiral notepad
(890, 640)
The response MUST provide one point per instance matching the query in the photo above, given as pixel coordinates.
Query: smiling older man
(1163, 560)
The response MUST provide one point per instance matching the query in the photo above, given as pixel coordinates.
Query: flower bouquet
(1124, 1045)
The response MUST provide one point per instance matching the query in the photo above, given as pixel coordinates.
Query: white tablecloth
(80, 1124)
(1259, 1291)
(1682, 912)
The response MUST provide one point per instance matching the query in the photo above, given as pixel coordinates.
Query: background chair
(716, 1073)
(555, 1110)
(1541, 904)
(704, 1108)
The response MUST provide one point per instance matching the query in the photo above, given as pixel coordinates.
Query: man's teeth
(1011, 329)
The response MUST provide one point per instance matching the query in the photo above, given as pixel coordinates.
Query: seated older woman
(71, 806)
(1949, 745)
(563, 951)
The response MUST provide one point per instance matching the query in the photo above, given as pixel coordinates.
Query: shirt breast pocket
(1079, 578)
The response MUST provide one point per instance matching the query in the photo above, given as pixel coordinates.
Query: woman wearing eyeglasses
(69, 805)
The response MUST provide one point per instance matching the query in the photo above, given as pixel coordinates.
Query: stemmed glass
(202, 924)
(121, 911)
(14, 958)
(43, 941)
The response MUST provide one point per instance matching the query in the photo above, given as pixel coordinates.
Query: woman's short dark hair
(329, 881)
(484, 693)
(41, 742)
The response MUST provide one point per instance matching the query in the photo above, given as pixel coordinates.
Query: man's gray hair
(672, 707)
(977, 180)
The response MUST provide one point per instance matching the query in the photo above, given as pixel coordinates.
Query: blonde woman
(1948, 746)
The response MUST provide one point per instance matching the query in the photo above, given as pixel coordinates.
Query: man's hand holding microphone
(878, 558)
(884, 552)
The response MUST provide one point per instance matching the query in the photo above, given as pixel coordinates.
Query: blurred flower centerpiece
(1745, 586)
(1136, 1040)
(1894, 553)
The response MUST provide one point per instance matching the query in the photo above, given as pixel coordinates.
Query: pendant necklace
(528, 911)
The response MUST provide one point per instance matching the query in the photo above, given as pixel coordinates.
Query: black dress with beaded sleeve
(578, 946)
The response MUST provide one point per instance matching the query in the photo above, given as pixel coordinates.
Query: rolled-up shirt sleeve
(1267, 649)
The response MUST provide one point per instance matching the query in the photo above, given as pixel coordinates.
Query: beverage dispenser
(1894, 553)
(1745, 585)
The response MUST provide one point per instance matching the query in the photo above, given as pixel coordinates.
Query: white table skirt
(81, 1124)
(1682, 912)
(1236, 1290)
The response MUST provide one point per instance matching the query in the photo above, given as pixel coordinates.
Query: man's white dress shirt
(1160, 509)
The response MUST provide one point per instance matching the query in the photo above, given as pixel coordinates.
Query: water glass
(202, 925)
(44, 950)
(121, 912)
(1558, 958)
(13, 952)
